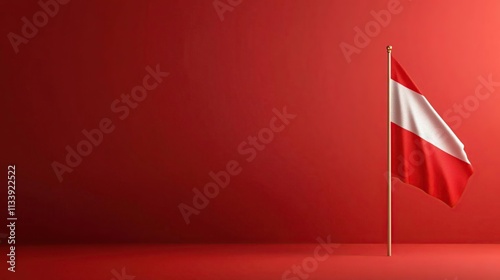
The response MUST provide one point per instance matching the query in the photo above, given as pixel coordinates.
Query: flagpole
(389, 177)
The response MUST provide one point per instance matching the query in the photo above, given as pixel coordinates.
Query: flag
(425, 152)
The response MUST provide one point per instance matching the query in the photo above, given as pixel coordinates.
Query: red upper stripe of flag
(399, 75)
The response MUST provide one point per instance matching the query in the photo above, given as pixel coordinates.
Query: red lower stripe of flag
(421, 164)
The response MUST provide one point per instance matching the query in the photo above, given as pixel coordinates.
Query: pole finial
(389, 49)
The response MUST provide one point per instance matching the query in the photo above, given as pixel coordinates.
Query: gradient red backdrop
(323, 174)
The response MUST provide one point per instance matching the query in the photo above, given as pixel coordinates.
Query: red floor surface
(257, 261)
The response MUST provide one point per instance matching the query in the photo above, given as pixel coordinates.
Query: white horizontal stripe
(413, 112)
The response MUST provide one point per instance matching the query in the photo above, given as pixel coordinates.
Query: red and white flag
(425, 152)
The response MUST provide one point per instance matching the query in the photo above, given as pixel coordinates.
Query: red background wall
(323, 174)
